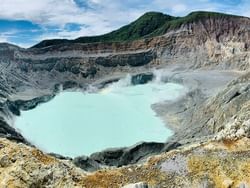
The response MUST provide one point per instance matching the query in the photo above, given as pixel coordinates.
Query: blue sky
(26, 22)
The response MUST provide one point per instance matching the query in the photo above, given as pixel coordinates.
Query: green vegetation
(148, 25)
(143, 26)
(190, 18)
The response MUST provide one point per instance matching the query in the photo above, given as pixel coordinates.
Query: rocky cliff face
(214, 113)
(211, 42)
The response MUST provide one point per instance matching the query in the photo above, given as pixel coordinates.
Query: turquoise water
(76, 123)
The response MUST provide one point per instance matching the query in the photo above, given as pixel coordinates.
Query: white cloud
(4, 36)
(3, 39)
(60, 12)
(179, 8)
(243, 8)
(39, 11)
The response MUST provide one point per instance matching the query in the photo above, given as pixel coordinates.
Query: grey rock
(9, 132)
(125, 156)
(142, 78)
(177, 164)
(137, 185)
(4, 161)
(58, 156)
(86, 163)
(122, 156)
(138, 59)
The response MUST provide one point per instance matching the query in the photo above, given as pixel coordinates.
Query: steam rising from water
(119, 115)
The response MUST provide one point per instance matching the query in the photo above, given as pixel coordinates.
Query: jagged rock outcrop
(202, 105)
(6, 131)
(231, 103)
(217, 113)
(24, 166)
(118, 157)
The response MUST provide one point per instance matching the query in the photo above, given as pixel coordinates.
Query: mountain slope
(190, 18)
(148, 25)
(143, 26)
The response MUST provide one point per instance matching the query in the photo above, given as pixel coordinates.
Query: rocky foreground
(212, 164)
(210, 55)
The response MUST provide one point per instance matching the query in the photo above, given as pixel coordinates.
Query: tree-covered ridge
(190, 18)
(148, 25)
(143, 26)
